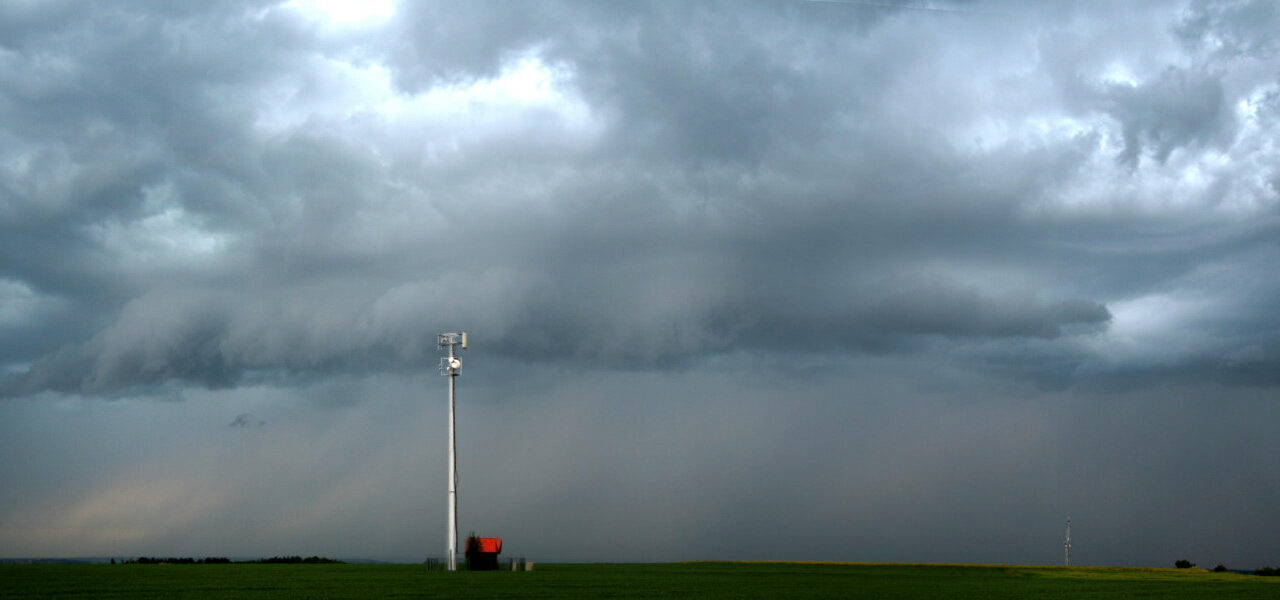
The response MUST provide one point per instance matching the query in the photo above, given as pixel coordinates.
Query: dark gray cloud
(891, 262)
(1177, 110)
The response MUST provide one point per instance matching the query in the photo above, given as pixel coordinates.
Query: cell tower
(1066, 546)
(452, 367)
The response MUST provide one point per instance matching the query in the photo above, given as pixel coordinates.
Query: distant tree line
(1264, 571)
(214, 560)
(295, 560)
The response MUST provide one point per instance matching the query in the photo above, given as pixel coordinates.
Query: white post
(451, 366)
(453, 477)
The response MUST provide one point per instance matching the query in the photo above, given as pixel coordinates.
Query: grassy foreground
(701, 580)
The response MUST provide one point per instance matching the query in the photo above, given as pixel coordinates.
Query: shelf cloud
(1009, 231)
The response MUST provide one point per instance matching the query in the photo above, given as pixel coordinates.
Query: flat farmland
(678, 580)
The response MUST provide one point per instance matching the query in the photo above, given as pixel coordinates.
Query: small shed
(482, 553)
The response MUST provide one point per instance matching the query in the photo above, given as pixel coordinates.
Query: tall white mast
(1066, 546)
(452, 367)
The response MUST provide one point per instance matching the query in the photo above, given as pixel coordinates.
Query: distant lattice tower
(1066, 546)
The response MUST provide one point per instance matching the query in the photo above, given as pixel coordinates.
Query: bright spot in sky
(342, 13)
(1153, 329)
(17, 301)
(1118, 73)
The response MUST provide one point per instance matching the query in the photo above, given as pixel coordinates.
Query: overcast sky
(872, 281)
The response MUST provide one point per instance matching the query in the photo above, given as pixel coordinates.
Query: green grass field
(673, 580)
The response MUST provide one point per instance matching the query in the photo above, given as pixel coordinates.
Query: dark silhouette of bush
(1184, 564)
(1267, 572)
(1220, 569)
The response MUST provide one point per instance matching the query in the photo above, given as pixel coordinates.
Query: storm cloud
(1005, 262)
